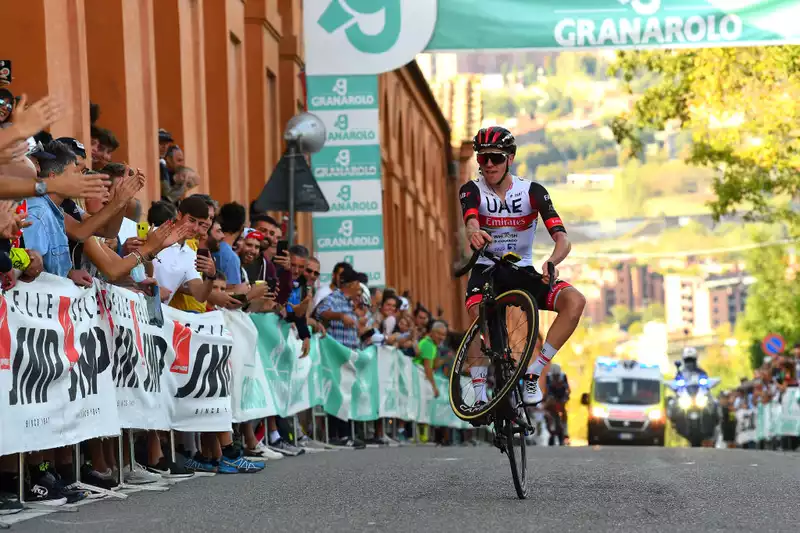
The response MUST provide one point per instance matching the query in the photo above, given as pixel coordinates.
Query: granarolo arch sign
(346, 37)
(349, 42)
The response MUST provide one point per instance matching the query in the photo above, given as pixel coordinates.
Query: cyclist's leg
(476, 362)
(568, 303)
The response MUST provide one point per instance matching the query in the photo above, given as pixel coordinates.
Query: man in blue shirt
(231, 218)
(338, 312)
(47, 233)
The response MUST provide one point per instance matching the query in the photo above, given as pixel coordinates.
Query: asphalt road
(468, 489)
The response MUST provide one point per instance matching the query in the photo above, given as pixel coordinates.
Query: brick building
(224, 77)
(701, 304)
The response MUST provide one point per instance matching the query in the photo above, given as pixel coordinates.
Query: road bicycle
(504, 408)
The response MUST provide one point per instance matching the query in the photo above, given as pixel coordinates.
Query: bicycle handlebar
(483, 251)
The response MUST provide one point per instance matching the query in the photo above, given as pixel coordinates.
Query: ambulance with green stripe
(627, 403)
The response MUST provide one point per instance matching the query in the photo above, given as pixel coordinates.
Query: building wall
(224, 77)
(672, 302)
(182, 65)
(418, 193)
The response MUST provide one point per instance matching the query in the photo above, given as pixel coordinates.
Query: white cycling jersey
(511, 221)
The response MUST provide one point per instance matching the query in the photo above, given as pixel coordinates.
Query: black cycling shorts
(507, 280)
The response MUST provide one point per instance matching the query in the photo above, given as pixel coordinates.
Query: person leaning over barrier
(429, 351)
(338, 313)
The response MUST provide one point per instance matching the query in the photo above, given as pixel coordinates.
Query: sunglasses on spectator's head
(310, 271)
(496, 158)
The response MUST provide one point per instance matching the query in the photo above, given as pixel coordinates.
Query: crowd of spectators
(71, 211)
(770, 382)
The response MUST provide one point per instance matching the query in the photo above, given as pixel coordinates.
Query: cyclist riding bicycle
(502, 210)
(558, 392)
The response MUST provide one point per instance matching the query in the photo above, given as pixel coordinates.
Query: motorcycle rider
(690, 365)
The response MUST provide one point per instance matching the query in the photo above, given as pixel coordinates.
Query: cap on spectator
(164, 136)
(39, 152)
(250, 233)
(43, 137)
(75, 145)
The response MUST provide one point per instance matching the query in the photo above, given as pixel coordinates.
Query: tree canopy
(742, 106)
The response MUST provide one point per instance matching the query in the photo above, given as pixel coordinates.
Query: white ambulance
(626, 403)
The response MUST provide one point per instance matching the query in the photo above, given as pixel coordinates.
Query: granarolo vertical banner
(348, 169)
(56, 384)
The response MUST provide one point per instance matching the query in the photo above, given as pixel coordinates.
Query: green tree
(742, 106)
(624, 317)
(653, 312)
(499, 103)
(773, 301)
(630, 191)
(636, 328)
(552, 172)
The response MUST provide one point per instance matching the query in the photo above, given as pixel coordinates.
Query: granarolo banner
(347, 37)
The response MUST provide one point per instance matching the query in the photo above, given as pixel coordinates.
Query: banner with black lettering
(139, 356)
(745, 426)
(199, 370)
(56, 385)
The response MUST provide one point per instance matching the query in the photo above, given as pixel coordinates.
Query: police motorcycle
(693, 410)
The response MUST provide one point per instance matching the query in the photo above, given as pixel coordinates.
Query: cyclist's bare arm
(541, 199)
(561, 249)
(470, 197)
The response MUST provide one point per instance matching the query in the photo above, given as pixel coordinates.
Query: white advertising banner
(199, 368)
(56, 387)
(82, 363)
(139, 356)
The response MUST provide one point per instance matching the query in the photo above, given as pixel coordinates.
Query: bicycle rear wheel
(521, 317)
(519, 463)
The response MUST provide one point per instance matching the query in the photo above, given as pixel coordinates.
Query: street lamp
(304, 134)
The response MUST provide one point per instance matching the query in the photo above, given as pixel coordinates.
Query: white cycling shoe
(531, 394)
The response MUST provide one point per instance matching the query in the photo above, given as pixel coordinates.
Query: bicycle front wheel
(517, 458)
(518, 311)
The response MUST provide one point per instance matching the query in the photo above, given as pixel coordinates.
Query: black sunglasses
(315, 272)
(495, 157)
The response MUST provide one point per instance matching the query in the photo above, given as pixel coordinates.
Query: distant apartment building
(701, 304)
(624, 283)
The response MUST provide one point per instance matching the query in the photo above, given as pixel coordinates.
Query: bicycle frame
(486, 304)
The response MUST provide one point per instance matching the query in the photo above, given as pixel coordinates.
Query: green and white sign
(351, 163)
(349, 199)
(342, 92)
(374, 36)
(343, 234)
(269, 377)
(348, 169)
(350, 128)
